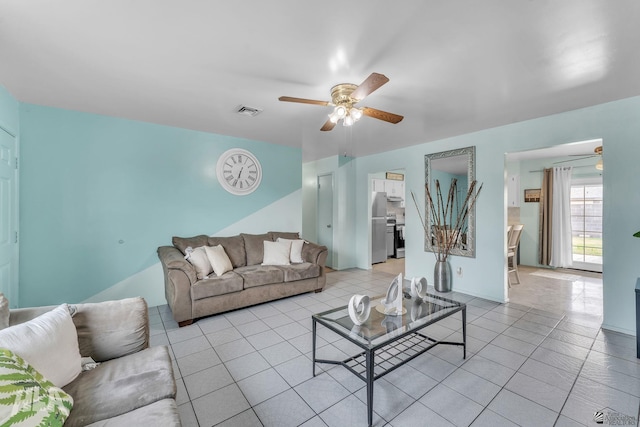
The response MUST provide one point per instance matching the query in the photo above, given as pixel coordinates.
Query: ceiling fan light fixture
(600, 165)
(334, 117)
(340, 111)
(356, 113)
(348, 121)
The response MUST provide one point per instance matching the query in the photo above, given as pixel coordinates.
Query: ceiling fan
(597, 151)
(344, 96)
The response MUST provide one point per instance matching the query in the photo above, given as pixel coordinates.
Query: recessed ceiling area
(454, 66)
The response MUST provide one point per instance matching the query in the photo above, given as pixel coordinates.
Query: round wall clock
(239, 172)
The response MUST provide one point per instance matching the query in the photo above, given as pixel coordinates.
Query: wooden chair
(513, 243)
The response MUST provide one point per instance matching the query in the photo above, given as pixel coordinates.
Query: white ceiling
(455, 66)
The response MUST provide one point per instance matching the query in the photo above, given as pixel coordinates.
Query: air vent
(248, 111)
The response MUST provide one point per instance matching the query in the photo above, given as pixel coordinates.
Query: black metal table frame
(396, 345)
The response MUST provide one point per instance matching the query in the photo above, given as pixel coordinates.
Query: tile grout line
(486, 407)
(575, 381)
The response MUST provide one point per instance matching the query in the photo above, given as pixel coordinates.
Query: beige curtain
(546, 209)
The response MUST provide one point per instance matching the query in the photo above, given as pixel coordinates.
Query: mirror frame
(470, 152)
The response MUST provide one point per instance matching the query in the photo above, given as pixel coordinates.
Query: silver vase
(442, 276)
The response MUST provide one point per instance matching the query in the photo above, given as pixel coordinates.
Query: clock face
(238, 171)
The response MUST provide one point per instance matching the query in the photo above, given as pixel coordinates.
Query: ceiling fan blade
(303, 100)
(382, 115)
(328, 125)
(372, 83)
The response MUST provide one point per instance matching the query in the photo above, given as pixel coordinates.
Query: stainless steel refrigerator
(379, 227)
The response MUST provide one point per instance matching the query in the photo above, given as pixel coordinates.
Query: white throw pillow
(49, 343)
(296, 249)
(276, 253)
(4, 311)
(219, 259)
(199, 259)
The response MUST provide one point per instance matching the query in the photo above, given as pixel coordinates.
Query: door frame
(586, 266)
(330, 258)
(13, 289)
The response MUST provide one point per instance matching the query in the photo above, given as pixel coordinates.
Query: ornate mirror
(445, 166)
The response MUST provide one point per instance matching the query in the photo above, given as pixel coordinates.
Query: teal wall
(616, 123)
(100, 194)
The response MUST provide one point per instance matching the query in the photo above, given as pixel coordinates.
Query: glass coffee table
(388, 342)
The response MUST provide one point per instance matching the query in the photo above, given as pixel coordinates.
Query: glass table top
(379, 328)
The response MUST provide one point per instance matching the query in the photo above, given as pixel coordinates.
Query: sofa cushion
(254, 246)
(121, 385)
(284, 235)
(111, 329)
(183, 243)
(26, 397)
(49, 343)
(216, 285)
(295, 255)
(161, 413)
(302, 271)
(218, 259)
(234, 247)
(277, 253)
(258, 275)
(199, 258)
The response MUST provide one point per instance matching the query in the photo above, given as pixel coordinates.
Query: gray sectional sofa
(247, 284)
(134, 384)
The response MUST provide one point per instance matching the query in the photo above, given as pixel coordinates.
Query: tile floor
(525, 366)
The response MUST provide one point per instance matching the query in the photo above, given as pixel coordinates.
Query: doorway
(524, 171)
(325, 215)
(387, 221)
(586, 224)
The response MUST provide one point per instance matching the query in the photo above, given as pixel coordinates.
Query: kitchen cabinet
(378, 185)
(513, 191)
(394, 188)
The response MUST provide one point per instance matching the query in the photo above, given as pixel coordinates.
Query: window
(586, 225)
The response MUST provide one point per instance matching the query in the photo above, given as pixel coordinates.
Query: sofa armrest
(315, 254)
(179, 276)
(172, 259)
(111, 329)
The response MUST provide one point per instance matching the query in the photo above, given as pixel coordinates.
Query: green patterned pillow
(27, 398)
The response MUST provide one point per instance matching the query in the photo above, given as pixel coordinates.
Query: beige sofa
(134, 383)
(247, 284)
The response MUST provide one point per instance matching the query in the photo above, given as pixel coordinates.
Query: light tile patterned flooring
(525, 366)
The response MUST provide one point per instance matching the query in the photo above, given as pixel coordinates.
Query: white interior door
(325, 214)
(8, 218)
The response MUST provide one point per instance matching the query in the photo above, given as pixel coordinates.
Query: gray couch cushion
(254, 246)
(120, 386)
(258, 275)
(302, 271)
(183, 243)
(111, 329)
(234, 247)
(163, 413)
(214, 285)
(284, 235)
